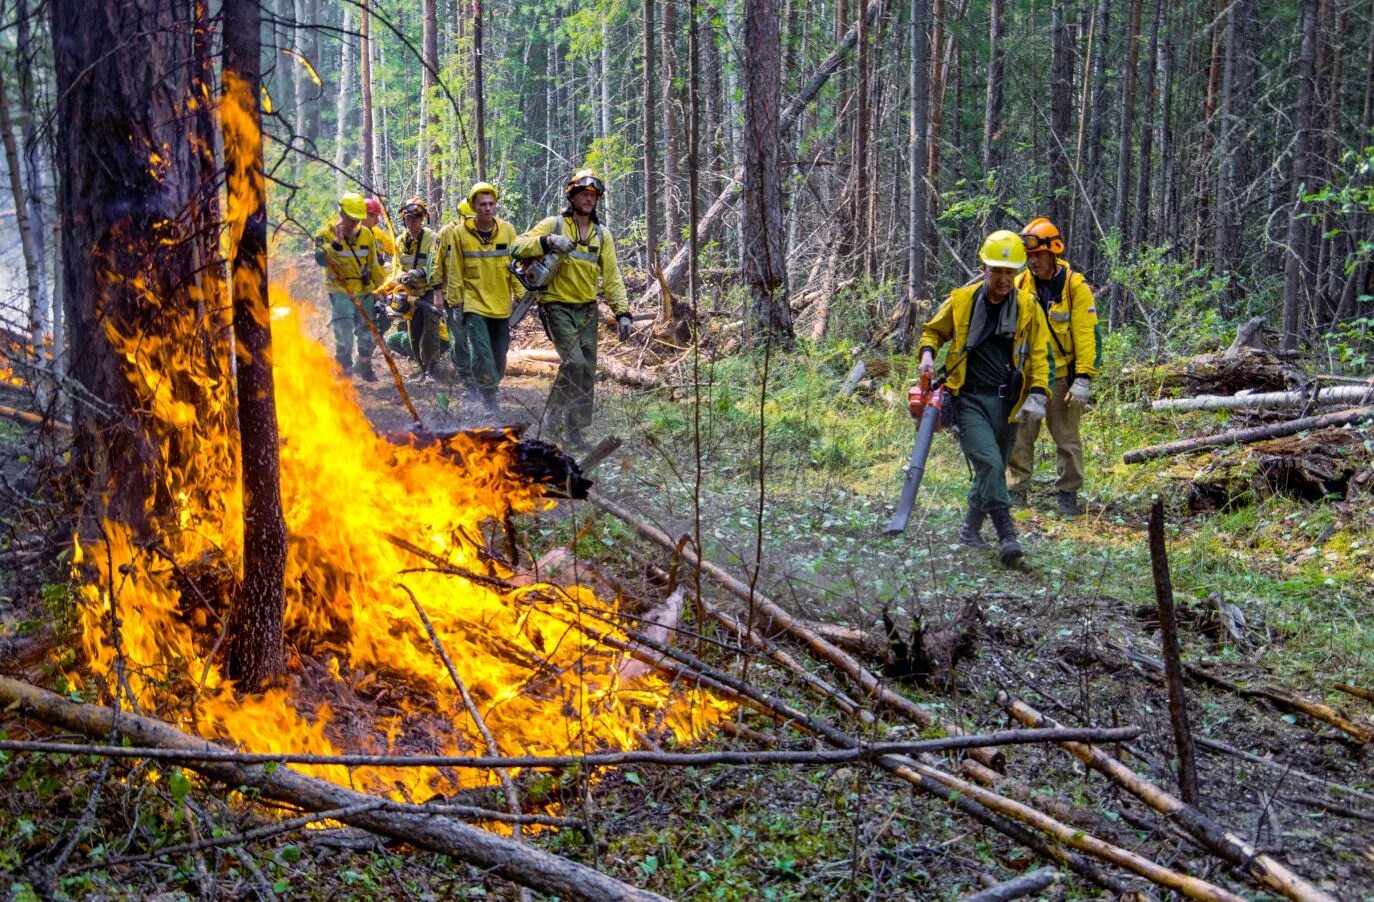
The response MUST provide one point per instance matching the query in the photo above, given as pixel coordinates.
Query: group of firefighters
(1023, 337)
(1023, 347)
(456, 288)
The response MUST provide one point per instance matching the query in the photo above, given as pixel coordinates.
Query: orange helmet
(1042, 235)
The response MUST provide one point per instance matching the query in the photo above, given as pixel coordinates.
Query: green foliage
(1175, 307)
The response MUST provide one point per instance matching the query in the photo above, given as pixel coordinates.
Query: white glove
(558, 243)
(1081, 392)
(927, 367)
(1033, 409)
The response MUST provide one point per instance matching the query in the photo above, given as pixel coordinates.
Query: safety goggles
(1036, 243)
(587, 183)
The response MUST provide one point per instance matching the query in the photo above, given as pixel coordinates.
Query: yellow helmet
(482, 188)
(416, 206)
(1003, 250)
(465, 209)
(582, 179)
(353, 206)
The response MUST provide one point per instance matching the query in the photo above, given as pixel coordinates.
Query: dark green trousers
(424, 333)
(348, 327)
(488, 342)
(986, 439)
(572, 329)
(458, 345)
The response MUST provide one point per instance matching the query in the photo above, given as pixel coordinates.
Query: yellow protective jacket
(385, 244)
(1029, 353)
(576, 279)
(1072, 321)
(355, 261)
(475, 274)
(418, 253)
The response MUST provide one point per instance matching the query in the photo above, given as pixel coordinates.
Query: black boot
(1068, 505)
(1008, 549)
(970, 534)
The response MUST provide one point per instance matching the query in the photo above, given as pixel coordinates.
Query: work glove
(558, 244)
(1081, 392)
(928, 365)
(1032, 410)
(412, 277)
(623, 323)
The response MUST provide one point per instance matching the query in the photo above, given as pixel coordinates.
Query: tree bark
(992, 106)
(672, 118)
(345, 101)
(479, 94)
(1140, 219)
(651, 207)
(431, 151)
(918, 208)
(1125, 128)
(256, 650)
(1173, 667)
(1294, 309)
(21, 218)
(369, 160)
(34, 197)
(1061, 115)
(140, 256)
(765, 265)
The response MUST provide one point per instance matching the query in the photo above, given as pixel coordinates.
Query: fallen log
(1173, 663)
(1343, 394)
(1248, 436)
(1356, 691)
(1034, 882)
(543, 362)
(1211, 835)
(509, 860)
(33, 419)
(851, 382)
(765, 607)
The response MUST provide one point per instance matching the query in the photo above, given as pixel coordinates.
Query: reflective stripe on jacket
(1029, 354)
(1072, 321)
(577, 276)
(475, 274)
(418, 253)
(355, 260)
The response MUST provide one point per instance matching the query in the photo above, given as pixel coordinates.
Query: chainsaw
(925, 401)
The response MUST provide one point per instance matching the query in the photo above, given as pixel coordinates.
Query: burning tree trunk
(138, 208)
(255, 649)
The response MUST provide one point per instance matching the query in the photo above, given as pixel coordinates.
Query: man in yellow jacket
(474, 278)
(1071, 315)
(416, 255)
(568, 305)
(998, 372)
(347, 250)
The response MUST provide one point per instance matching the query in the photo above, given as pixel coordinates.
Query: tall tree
(992, 105)
(431, 152)
(1125, 128)
(141, 273)
(918, 203)
(765, 266)
(369, 160)
(34, 153)
(651, 147)
(256, 651)
(345, 102)
(479, 95)
(1293, 270)
(21, 216)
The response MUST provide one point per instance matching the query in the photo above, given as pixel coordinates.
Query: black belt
(1001, 391)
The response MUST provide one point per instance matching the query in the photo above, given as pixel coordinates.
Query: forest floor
(1064, 634)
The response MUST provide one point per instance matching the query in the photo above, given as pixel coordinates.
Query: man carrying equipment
(998, 372)
(347, 250)
(474, 279)
(415, 259)
(569, 302)
(1071, 315)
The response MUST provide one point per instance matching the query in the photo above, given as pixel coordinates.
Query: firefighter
(568, 305)
(386, 252)
(347, 250)
(473, 258)
(1071, 316)
(999, 372)
(416, 254)
(449, 276)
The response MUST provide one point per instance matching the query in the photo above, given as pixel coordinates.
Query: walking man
(415, 258)
(1071, 315)
(449, 276)
(569, 302)
(348, 252)
(473, 257)
(998, 372)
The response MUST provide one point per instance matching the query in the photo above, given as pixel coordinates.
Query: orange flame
(542, 685)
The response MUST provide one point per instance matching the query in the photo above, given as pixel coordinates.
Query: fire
(542, 684)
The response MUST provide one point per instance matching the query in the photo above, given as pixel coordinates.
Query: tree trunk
(34, 198)
(21, 217)
(1140, 219)
(369, 173)
(1125, 128)
(918, 209)
(1061, 115)
(1293, 274)
(479, 94)
(651, 238)
(345, 101)
(431, 151)
(672, 116)
(992, 107)
(1095, 114)
(1223, 258)
(256, 651)
(765, 266)
(138, 205)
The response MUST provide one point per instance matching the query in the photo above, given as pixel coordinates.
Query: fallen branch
(1173, 664)
(1356, 691)
(1339, 395)
(846, 663)
(1252, 434)
(1034, 882)
(33, 419)
(1212, 835)
(506, 859)
(1286, 769)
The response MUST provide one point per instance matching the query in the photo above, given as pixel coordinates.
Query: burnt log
(533, 460)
